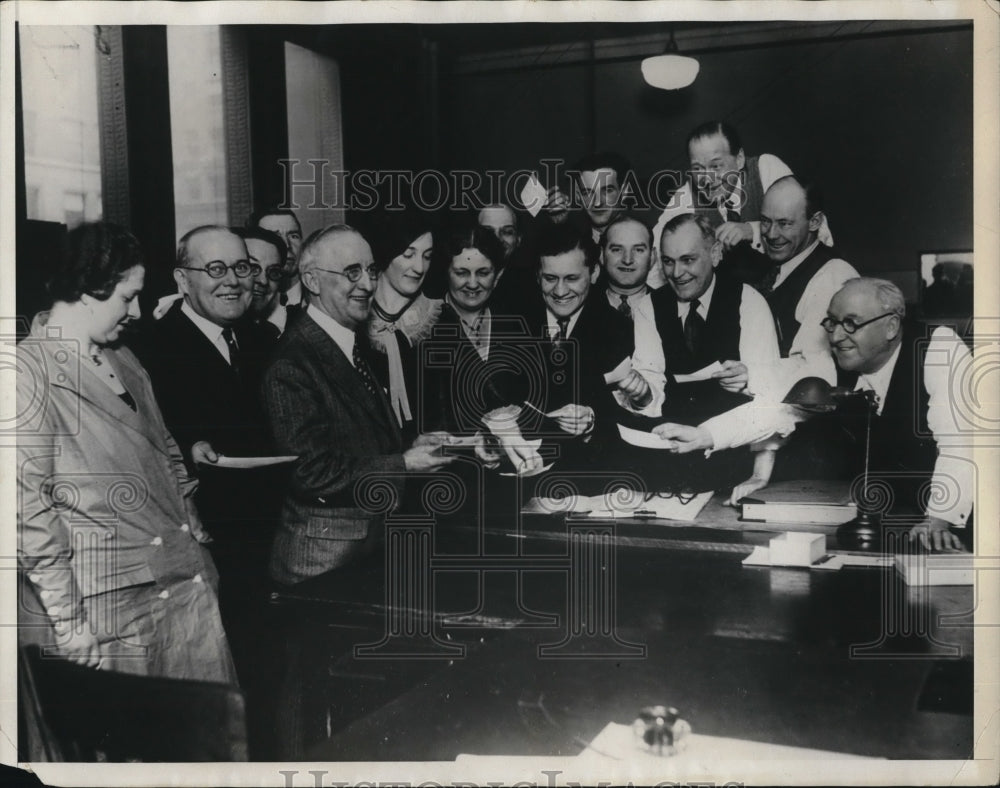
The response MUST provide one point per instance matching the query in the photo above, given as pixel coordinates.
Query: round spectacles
(353, 272)
(850, 324)
(217, 269)
(273, 272)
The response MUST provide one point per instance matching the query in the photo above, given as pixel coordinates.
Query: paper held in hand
(705, 373)
(253, 462)
(533, 196)
(619, 373)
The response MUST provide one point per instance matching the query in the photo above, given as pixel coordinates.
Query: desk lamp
(815, 395)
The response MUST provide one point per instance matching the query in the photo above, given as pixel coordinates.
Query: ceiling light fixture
(670, 71)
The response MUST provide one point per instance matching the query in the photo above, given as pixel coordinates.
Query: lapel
(92, 389)
(342, 374)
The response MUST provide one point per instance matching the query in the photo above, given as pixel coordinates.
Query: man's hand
(78, 644)
(425, 458)
(733, 233)
(488, 450)
(683, 438)
(574, 419)
(202, 453)
(636, 389)
(733, 376)
(556, 205)
(935, 533)
(432, 439)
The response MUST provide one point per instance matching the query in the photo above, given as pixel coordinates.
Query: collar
(211, 330)
(278, 316)
(878, 381)
(705, 299)
(786, 268)
(615, 298)
(293, 295)
(341, 335)
(552, 323)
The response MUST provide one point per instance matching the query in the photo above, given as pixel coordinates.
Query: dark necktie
(693, 328)
(766, 285)
(234, 361)
(562, 334)
(732, 215)
(624, 307)
(371, 386)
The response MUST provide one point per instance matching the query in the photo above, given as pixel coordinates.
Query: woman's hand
(78, 644)
(202, 453)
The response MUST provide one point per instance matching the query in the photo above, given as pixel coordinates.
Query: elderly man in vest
(918, 443)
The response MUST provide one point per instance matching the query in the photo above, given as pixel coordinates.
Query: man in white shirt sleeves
(916, 428)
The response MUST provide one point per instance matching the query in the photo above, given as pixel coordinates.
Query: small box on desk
(789, 549)
(797, 549)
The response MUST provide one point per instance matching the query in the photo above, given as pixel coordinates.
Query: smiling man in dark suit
(325, 407)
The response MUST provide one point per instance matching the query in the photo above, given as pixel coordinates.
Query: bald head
(790, 219)
(502, 222)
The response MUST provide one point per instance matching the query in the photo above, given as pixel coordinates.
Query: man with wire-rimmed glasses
(325, 407)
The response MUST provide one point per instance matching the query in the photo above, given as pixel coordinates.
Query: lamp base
(861, 533)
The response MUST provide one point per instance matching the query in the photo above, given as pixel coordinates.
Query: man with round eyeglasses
(919, 446)
(325, 407)
(266, 250)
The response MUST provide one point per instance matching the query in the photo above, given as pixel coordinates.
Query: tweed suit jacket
(319, 410)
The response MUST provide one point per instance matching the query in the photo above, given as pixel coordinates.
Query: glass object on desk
(661, 730)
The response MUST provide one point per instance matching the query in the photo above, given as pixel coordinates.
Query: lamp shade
(812, 394)
(670, 72)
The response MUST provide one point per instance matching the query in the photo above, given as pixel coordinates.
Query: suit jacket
(203, 398)
(104, 494)
(457, 386)
(319, 410)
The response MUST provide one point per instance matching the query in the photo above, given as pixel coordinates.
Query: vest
(785, 297)
(720, 341)
(903, 451)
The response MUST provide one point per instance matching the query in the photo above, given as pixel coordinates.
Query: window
(198, 147)
(62, 163)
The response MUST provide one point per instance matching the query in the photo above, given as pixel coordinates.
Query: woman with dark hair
(109, 539)
(481, 374)
(402, 315)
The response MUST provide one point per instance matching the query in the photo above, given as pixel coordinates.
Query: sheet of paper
(533, 196)
(619, 373)
(705, 373)
(252, 462)
(646, 440)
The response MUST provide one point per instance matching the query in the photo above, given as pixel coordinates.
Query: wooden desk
(763, 654)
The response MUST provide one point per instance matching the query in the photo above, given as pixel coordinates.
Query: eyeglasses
(217, 269)
(353, 272)
(849, 324)
(273, 272)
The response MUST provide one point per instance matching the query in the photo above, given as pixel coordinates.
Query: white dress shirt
(293, 295)
(810, 341)
(946, 365)
(278, 317)
(211, 331)
(343, 336)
